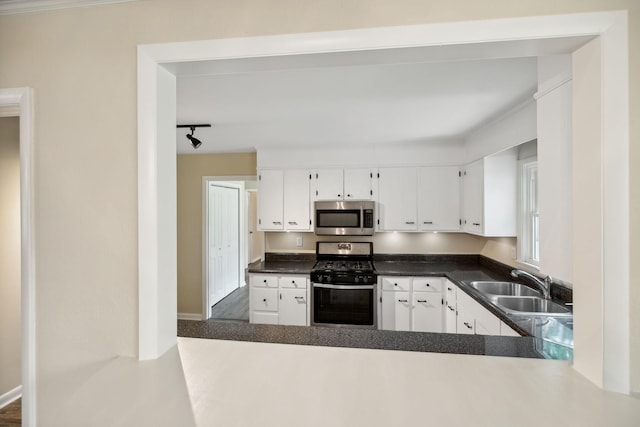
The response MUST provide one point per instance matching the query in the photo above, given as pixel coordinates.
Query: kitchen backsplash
(398, 243)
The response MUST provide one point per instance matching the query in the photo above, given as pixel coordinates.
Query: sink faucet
(545, 286)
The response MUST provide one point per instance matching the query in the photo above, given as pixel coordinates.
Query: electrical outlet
(299, 242)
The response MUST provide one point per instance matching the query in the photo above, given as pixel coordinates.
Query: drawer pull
(409, 222)
(264, 300)
(293, 223)
(265, 280)
(468, 325)
(422, 300)
(277, 223)
(476, 223)
(427, 285)
(299, 297)
(451, 308)
(395, 284)
(402, 300)
(428, 222)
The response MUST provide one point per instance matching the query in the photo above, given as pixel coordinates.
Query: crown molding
(14, 7)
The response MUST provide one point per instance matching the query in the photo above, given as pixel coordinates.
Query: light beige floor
(255, 384)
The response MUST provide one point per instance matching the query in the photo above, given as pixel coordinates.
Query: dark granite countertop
(362, 338)
(284, 263)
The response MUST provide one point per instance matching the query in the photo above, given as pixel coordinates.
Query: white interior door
(223, 241)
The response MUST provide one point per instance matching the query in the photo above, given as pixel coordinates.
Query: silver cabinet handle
(428, 222)
(293, 223)
(342, 287)
(409, 222)
(422, 300)
(277, 222)
(299, 297)
(468, 325)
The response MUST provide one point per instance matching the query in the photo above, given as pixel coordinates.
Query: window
(529, 216)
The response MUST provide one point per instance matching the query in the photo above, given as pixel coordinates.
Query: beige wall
(82, 66)
(10, 342)
(191, 169)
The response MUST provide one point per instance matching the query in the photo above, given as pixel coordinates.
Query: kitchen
(494, 139)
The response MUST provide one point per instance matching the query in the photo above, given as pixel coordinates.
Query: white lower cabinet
(472, 318)
(450, 308)
(426, 312)
(411, 303)
(396, 311)
(292, 307)
(279, 300)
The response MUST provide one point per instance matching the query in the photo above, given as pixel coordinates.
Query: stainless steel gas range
(343, 285)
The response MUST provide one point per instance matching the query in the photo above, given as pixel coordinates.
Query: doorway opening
(18, 104)
(228, 246)
(501, 37)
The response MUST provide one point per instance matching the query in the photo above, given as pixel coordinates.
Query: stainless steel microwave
(344, 218)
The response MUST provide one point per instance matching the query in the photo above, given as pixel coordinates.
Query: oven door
(343, 305)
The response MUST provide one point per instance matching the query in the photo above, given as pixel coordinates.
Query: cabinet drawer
(427, 284)
(264, 299)
(266, 318)
(391, 283)
(295, 282)
(264, 280)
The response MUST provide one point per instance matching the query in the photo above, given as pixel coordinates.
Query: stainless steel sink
(530, 306)
(504, 288)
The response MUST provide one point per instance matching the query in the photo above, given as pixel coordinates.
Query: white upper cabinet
(439, 198)
(490, 195)
(297, 200)
(328, 184)
(270, 200)
(284, 201)
(357, 184)
(397, 201)
(343, 184)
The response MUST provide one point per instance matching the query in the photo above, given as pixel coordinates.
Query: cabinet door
(297, 203)
(329, 184)
(263, 299)
(486, 322)
(450, 308)
(357, 184)
(473, 188)
(439, 198)
(292, 307)
(270, 200)
(396, 311)
(397, 199)
(426, 312)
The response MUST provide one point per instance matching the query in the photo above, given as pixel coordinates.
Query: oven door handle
(355, 287)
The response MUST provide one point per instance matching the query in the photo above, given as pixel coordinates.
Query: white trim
(14, 7)
(22, 98)
(189, 316)
(610, 25)
(10, 396)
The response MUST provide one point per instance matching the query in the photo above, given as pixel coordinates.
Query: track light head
(195, 142)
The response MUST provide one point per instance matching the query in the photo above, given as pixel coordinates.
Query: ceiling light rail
(194, 141)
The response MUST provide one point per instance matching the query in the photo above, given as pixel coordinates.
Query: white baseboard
(10, 396)
(189, 316)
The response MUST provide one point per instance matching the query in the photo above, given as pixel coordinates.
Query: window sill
(528, 265)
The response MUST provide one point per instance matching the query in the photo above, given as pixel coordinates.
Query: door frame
(609, 367)
(19, 102)
(206, 180)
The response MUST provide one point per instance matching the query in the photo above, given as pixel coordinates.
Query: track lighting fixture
(194, 141)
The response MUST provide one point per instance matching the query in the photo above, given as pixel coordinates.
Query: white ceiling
(389, 103)
(394, 96)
